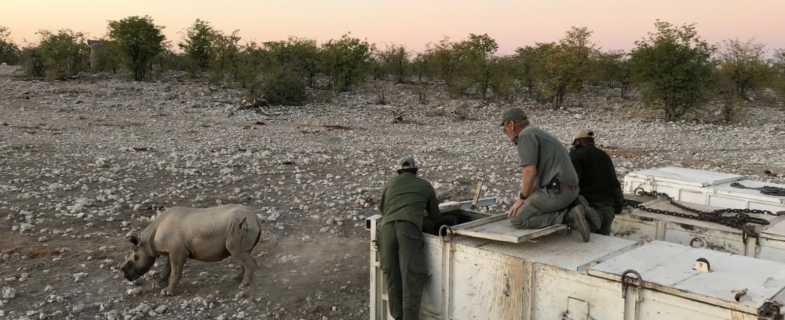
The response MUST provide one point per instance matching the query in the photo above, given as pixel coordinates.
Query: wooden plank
(477, 195)
(480, 222)
(502, 230)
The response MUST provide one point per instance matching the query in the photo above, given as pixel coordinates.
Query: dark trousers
(403, 262)
(606, 212)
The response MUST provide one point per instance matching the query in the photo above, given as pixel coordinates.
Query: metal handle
(624, 284)
(447, 229)
(699, 238)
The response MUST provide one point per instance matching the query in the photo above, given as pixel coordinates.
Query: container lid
(498, 228)
(668, 267)
(691, 177)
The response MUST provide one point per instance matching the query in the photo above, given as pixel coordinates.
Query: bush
(733, 110)
(741, 67)
(64, 54)
(9, 52)
(674, 69)
(284, 87)
(568, 64)
(107, 56)
(777, 80)
(33, 61)
(197, 43)
(224, 55)
(139, 41)
(346, 61)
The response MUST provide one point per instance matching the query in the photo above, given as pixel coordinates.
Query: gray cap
(407, 163)
(513, 114)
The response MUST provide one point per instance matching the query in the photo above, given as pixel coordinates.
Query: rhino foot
(167, 292)
(244, 285)
(160, 284)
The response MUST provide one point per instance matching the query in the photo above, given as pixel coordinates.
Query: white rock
(9, 293)
(134, 291)
(78, 308)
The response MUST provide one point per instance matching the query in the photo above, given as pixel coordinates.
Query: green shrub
(9, 52)
(284, 87)
(33, 61)
(674, 69)
(138, 41)
(64, 54)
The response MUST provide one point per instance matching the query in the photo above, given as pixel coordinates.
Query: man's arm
(528, 179)
(433, 206)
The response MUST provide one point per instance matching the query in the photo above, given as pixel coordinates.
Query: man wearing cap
(549, 184)
(598, 182)
(404, 201)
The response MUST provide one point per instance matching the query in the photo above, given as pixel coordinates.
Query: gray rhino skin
(203, 234)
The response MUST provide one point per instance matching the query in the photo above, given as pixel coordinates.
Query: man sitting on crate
(549, 184)
(598, 182)
(404, 201)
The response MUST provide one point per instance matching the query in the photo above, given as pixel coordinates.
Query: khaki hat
(584, 133)
(407, 163)
(514, 114)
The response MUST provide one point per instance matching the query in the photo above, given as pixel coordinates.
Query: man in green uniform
(405, 200)
(598, 182)
(549, 184)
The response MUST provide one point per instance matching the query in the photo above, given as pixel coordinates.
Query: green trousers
(544, 208)
(403, 263)
(607, 214)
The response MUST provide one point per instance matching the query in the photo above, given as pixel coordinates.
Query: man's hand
(514, 208)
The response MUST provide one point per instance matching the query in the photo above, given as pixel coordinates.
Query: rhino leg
(164, 280)
(240, 276)
(240, 241)
(176, 262)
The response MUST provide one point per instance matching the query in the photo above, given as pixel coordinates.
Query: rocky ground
(84, 163)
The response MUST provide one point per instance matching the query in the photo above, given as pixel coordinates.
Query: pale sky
(616, 24)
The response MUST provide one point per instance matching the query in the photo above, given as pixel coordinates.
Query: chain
(739, 221)
(767, 190)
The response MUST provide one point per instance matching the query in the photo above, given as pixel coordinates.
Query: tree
(674, 69)
(9, 52)
(300, 55)
(224, 54)
(64, 54)
(446, 58)
(479, 61)
(614, 70)
(568, 64)
(741, 66)
(530, 67)
(395, 61)
(346, 61)
(139, 41)
(197, 43)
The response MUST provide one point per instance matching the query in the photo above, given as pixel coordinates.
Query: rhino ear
(134, 240)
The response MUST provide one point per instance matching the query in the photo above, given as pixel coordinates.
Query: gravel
(97, 159)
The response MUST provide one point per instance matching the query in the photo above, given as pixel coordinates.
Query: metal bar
(453, 206)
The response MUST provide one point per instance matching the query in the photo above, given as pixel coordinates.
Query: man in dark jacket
(597, 178)
(405, 200)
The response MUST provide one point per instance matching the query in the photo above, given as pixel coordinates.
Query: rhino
(203, 234)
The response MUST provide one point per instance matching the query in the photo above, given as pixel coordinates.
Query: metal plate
(687, 176)
(668, 267)
(558, 250)
(498, 228)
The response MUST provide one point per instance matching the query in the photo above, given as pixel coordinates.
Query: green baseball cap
(513, 114)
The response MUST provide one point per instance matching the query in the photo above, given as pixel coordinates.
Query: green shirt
(598, 182)
(407, 197)
(540, 148)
